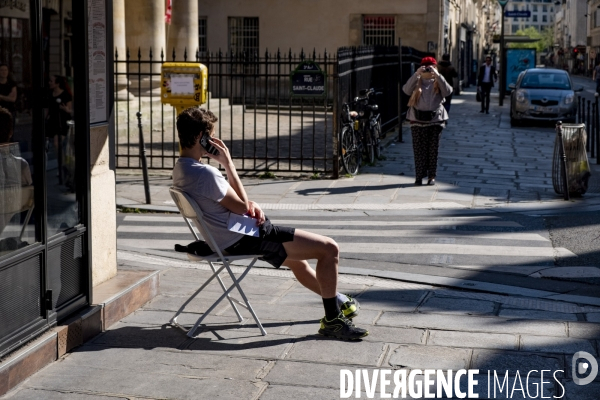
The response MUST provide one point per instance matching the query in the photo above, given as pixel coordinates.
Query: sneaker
(350, 308)
(341, 328)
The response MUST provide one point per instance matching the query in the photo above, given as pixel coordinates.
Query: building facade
(572, 26)
(543, 14)
(593, 34)
(456, 27)
(263, 25)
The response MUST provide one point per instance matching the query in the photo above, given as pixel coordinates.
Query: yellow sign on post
(183, 85)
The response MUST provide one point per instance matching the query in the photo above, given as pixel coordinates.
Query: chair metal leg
(174, 319)
(248, 306)
(240, 318)
(234, 285)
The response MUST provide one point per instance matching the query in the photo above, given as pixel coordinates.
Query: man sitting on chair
(219, 198)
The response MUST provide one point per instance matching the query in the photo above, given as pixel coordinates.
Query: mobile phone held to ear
(204, 142)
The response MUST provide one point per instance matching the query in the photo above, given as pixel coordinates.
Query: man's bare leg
(307, 246)
(304, 274)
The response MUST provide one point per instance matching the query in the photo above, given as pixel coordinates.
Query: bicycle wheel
(376, 134)
(349, 151)
(369, 146)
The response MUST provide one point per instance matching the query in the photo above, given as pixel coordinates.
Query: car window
(546, 80)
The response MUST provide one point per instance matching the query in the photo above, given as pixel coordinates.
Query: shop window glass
(60, 130)
(17, 166)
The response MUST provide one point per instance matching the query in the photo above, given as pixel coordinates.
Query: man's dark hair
(3, 65)
(6, 125)
(446, 57)
(488, 58)
(192, 123)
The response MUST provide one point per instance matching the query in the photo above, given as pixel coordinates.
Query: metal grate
(202, 38)
(71, 263)
(379, 30)
(243, 34)
(19, 296)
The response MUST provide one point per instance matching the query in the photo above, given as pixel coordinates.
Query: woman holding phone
(427, 89)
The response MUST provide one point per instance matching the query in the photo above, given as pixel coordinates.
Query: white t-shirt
(207, 186)
(486, 75)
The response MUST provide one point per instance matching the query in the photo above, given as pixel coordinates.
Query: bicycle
(350, 142)
(370, 123)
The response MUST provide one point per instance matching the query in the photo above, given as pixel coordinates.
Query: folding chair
(190, 211)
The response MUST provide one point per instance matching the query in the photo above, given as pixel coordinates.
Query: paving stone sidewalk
(412, 326)
(483, 163)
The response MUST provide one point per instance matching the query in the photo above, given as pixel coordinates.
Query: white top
(206, 186)
(486, 75)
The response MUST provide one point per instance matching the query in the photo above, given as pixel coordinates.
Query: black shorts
(269, 243)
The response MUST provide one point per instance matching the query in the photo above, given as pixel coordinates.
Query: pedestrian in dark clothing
(596, 77)
(59, 105)
(427, 89)
(8, 91)
(485, 82)
(446, 69)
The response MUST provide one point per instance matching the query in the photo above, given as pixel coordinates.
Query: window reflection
(16, 188)
(17, 222)
(61, 185)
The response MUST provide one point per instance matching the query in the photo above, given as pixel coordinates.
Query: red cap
(428, 61)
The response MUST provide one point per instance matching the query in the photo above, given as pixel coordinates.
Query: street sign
(307, 80)
(517, 14)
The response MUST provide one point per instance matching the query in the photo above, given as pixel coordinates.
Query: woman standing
(427, 115)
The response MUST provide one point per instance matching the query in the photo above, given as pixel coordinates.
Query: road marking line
(445, 234)
(391, 248)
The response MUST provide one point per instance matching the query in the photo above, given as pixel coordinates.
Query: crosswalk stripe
(426, 232)
(351, 222)
(391, 248)
(171, 218)
(493, 221)
(457, 249)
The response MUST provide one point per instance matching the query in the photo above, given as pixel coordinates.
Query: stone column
(183, 31)
(145, 29)
(119, 27)
(120, 47)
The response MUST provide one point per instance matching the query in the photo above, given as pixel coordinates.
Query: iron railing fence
(588, 113)
(370, 67)
(264, 126)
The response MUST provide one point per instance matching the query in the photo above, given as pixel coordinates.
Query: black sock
(332, 309)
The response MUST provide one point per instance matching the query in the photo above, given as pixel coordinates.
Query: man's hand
(223, 158)
(255, 212)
